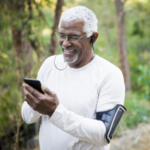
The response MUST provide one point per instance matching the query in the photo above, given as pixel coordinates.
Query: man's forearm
(28, 114)
(86, 129)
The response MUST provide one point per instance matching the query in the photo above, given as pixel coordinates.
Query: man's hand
(44, 104)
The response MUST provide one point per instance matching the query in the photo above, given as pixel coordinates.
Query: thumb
(44, 88)
(47, 91)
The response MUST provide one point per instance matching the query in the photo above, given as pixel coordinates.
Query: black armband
(111, 119)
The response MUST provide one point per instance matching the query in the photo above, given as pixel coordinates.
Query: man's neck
(83, 62)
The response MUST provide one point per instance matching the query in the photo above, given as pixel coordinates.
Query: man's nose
(66, 43)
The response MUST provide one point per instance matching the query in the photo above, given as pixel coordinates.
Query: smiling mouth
(69, 51)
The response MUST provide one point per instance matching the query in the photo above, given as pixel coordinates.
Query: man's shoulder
(105, 69)
(105, 64)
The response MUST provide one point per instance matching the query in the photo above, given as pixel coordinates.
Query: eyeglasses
(71, 38)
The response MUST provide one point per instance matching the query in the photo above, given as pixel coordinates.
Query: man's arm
(85, 129)
(111, 93)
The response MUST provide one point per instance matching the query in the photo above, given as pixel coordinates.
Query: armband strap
(111, 119)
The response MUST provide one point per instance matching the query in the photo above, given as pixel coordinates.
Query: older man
(79, 108)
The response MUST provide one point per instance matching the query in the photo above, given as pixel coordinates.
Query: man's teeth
(69, 50)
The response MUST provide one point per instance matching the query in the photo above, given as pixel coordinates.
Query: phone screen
(36, 84)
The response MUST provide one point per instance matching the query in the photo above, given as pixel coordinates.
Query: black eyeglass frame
(78, 38)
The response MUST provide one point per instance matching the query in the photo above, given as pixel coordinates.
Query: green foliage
(8, 96)
(144, 79)
(138, 111)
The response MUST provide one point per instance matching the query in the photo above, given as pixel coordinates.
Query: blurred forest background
(27, 38)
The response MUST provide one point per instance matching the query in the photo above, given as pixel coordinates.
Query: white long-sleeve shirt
(82, 92)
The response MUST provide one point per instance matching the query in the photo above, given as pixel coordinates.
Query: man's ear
(94, 37)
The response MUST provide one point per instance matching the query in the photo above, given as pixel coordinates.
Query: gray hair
(83, 13)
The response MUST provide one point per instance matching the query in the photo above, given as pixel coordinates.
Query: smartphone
(34, 83)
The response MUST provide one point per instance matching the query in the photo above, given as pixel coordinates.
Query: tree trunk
(22, 52)
(121, 42)
(22, 47)
(53, 42)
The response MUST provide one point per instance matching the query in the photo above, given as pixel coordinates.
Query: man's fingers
(30, 89)
(31, 100)
(27, 99)
(47, 91)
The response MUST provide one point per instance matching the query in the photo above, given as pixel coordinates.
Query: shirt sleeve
(86, 129)
(28, 114)
(111, 92)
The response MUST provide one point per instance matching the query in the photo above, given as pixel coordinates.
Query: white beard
(71, 60)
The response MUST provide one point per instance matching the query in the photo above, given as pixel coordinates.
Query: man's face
(76, 53)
